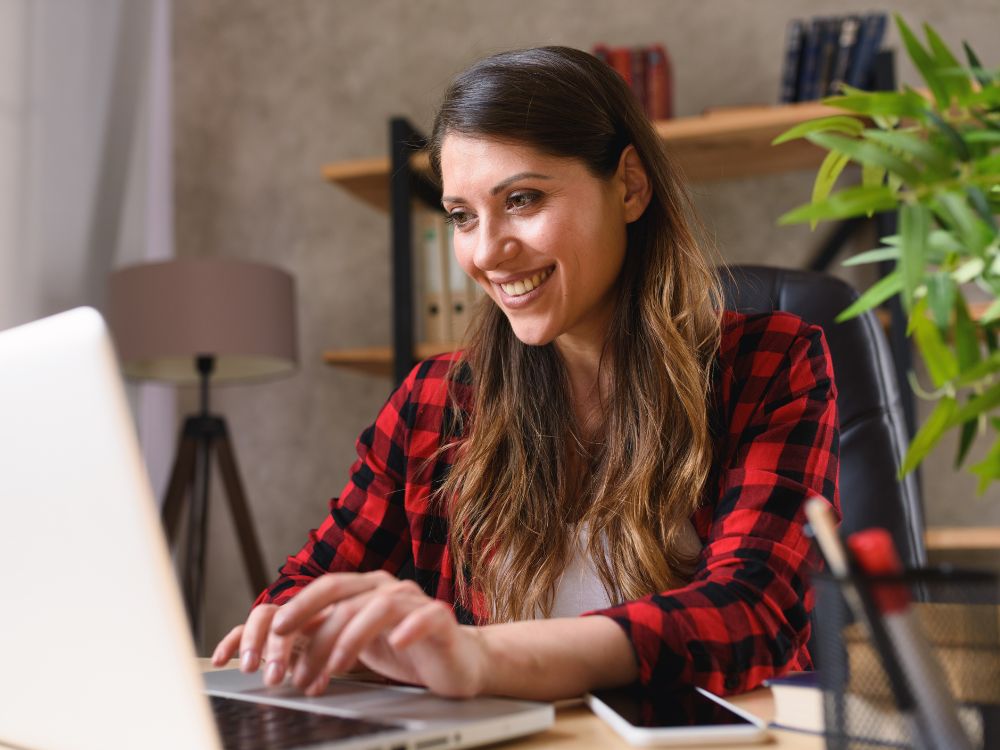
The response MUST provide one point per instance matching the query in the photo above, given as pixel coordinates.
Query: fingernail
(301, 676)
(319, 685)
(274, 672)
(337, 662)
(249, 660)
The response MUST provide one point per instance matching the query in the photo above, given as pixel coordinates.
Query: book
(798, 702)
(647, 71)
(870, 33)
(846, 46)
(799, 706)
(462, 295)
(829, 37)
(809, 64)
(793, 54)
(433, 290)
(638, 64)
(620, 58)
(659, 84)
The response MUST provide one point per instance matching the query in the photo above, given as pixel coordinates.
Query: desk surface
(576, 728)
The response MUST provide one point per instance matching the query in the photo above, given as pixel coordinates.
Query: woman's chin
(532, 336)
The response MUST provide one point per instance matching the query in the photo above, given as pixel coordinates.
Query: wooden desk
(576, 728)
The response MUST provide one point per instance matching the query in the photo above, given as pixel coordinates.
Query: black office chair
(872, 426)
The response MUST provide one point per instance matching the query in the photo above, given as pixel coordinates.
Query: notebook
(97, 652)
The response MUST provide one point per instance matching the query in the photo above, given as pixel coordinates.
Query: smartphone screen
(689, 717)
(690, 708)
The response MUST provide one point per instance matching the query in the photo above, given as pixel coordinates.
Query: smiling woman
(608, 442)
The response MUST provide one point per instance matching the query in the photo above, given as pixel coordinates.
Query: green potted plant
(933, 157)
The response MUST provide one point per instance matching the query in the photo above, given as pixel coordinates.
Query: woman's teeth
(524, 286)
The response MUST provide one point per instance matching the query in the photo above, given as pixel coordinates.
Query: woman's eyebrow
(502, 184)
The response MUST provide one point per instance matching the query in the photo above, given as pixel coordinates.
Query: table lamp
(198, 321)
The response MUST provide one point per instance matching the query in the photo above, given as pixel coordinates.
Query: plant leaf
(865, 152)
(974, 234)
(856, 201)
(826, 177)
(916, 147)
(965, 442)
(914, 226)
(966, 336)
(837, 123)
(982, 207)
(957, 86)
(991, 313)
(922, 59)
(875, 295)
(988, 469)
(977, 67)
(889, 103)
(969, 270)
(980, 370)
(929, 434)
(960, 147)
(983, 136)
(872, 176)
(941, 298)
(873, 256)
(985, 402)
(940, 360)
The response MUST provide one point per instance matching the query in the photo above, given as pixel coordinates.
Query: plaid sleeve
(367, 526)
(745, 615)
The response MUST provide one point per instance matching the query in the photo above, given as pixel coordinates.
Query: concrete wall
(266, 93)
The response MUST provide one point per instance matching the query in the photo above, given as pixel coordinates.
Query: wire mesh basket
(956, 613)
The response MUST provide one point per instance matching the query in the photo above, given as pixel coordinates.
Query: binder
(794, 37)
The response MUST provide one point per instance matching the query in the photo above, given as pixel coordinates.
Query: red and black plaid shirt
(745, 615)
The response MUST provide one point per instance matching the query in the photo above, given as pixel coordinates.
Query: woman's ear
(635, 179)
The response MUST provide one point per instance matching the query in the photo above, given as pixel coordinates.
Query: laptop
(96, 647)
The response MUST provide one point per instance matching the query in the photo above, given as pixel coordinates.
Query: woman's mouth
(523, 287)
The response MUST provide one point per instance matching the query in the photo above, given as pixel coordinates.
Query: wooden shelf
(377, 360)
(721, 144)
(967, 538)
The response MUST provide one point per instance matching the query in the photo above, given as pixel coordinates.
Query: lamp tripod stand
(201, 435)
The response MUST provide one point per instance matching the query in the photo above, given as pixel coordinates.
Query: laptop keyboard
(244, 725)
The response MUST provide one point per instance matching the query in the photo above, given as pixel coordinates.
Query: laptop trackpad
(413, 706)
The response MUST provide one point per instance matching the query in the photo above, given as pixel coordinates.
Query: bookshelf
(722, 144)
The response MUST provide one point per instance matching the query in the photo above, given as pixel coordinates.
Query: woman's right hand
(341, 620)
(254, 643)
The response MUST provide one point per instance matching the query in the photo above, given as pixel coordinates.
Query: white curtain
(85, 165)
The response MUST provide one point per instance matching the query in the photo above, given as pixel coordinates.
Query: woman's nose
(495, 247)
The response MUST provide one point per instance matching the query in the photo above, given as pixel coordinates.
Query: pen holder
(956, 613)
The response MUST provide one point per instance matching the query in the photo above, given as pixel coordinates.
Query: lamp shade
(164, 315)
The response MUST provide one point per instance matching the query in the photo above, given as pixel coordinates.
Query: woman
(608, 442)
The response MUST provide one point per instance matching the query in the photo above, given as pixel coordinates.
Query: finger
(433, 620)
(381, 612)
(315, 656)
(277, 655)
(324, 591)
(255, 635)
(227, 647)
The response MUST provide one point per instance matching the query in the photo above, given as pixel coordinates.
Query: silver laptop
(96, 650)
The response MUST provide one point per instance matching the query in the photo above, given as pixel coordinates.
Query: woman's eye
(459, 219)
(521, 200)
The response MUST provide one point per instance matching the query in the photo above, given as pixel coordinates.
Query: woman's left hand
(390, 626)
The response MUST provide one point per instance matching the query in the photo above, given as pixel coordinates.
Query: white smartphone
(694, 717)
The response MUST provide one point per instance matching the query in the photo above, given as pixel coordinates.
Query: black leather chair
(872, 426)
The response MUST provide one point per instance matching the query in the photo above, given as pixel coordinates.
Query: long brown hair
(513, 501)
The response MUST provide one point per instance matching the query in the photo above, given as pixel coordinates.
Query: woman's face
(541, 234)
